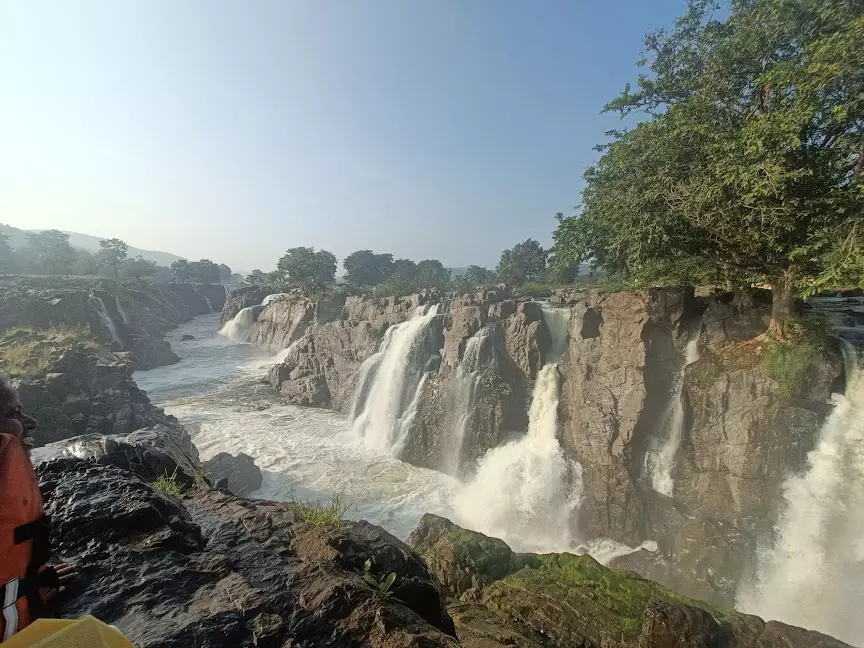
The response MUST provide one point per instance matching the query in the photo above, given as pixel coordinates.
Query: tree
(306, 268)
(224, 273)
(257, 277)
(365, 268)
(182, 271)
(7, 262)
(205, 271)
(750, 158)
(524, 262)
(561, 270)
(85, 263)
(112, 254)
(479, 276)
(138, 268)
(50, 252)
(431, 273)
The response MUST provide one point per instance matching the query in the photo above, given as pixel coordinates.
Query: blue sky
(448, 129)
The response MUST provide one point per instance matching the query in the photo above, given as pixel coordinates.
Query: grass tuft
(330, 514)
(169, 485)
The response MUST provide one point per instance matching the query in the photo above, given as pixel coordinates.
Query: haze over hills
(18, 240)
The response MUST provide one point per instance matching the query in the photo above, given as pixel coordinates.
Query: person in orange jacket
(27, 582)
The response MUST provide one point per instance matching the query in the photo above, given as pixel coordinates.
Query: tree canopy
(525, 261)
(306, 268)
(750, 156)
(112, 254)
(181, 270)
(365, 268)
(205, 271)
(431, 273)
(138, 267)
(50, 251)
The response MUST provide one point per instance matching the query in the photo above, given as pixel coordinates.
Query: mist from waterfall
(391, 382)
(527, 492)
(478, 357)
(660, 460)
(813, 575)
(239, 329)
(99, 306)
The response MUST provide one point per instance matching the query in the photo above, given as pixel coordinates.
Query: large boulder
(240, 472)
(563, 600)
(211, 570)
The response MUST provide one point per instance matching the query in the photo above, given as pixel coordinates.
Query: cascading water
(239, 329)
(813, 576)
(269, 299)
(527, 492)
(99, 306)
(123, 315)
(477, 358)
(209, 304)
(660, 461)
(391, 381)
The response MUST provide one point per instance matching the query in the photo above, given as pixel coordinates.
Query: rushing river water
(303, 452)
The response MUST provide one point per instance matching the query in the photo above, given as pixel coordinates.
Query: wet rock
(242, 475)
(561, 600)
(243, 297)
(186, 337)
(211, 570)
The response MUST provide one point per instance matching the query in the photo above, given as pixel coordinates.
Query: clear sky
(448, 129)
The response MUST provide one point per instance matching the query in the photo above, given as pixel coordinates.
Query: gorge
(527, 420)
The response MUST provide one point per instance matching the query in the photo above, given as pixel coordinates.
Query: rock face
(125, 318)
(240, 472)
(558, 600)
(285, 321)
(209, 569)
(80, 390)
(241, 298)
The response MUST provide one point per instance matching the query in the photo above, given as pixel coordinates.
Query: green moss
(790, 363)
(26, 352)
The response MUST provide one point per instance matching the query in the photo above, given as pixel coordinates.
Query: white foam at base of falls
(813, 574)
(390, 384)
(99, 306)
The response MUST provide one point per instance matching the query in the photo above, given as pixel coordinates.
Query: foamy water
(217, 391)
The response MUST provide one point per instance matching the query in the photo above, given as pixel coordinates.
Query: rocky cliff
(125, 317)
(500, 598)
(681, 436)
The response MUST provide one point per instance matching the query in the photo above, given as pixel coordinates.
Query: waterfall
(391, 381)
(120, 310)
(660, 461)
(477, 358)
(813, 576)
(209, 304)
(269, 299)
(99, 306)
(527, 491)
(240, 328)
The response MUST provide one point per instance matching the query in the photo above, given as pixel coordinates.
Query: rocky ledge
(499, 598)
(173, 562)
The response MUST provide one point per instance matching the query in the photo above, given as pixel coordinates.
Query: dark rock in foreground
(563, 600)
(242, 474)
(210, 570)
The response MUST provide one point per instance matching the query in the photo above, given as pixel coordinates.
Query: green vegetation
(330, 514)
(113, 253)
(790, 362)
(380, 582)
(748, 164)
(169, 485)
(524, 262)
(26, 352)
(306, 269)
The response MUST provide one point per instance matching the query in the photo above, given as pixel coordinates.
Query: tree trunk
(782, 304)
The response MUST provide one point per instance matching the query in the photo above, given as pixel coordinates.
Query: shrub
(789, 362)
(380, 582)
(169, 485)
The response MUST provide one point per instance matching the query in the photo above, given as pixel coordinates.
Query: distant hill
(18, 239)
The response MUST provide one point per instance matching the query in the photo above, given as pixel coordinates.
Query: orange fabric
(20, 503)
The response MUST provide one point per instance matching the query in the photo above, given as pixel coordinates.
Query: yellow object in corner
(86, 632)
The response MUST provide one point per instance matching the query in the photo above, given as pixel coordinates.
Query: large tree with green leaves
(306, 268)
(138, 267)
(182, 271)
(431, 273)
(205, 271)
(525, 261)
(365, 268)
(50, 252)
(749, 159)
(112, 254)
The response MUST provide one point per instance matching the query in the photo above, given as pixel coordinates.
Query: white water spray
(269, 299)
(239, 329)
(99, 306)
(813, 576)
(660, 462)
(122, 312)
(209, 304)
(390, 383)
(527, 492)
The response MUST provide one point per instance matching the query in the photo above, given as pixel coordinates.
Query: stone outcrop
(124, 317)
(73, 388)
(499, 598)
(239, 473)
(209, 569)
(243, 297)
(284, 321)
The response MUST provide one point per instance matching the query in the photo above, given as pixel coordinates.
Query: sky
(446, 129)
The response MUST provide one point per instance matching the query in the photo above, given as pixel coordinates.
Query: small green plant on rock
(788, 362)
(315, 513)
(380, 582)
(169, 485)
